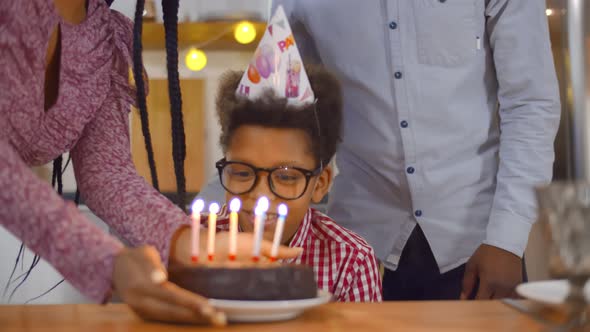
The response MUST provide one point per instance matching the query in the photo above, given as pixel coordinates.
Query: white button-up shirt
(450, 112)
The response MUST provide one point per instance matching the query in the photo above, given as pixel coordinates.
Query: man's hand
(498, 271)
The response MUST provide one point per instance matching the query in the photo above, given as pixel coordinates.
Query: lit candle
(213, 209)
(196, 210)
(259, 217)
(234, 207)
(278, 232)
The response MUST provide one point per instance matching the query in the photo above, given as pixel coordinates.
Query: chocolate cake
(254, 282)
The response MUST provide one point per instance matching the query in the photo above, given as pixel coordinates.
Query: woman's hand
(181, 247)
(141, 281)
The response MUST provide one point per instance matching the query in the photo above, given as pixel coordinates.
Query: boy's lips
(271, 218)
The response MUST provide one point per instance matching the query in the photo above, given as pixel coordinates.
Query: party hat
(277, 65)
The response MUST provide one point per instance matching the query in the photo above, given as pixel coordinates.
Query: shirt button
(418, 213)
(442, 1)
(404, 124)
(398, 74)
(392, 25)
(410, 170)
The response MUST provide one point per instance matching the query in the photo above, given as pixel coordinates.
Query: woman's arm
(112, 189)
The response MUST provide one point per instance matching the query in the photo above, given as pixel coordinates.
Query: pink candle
(196, 210)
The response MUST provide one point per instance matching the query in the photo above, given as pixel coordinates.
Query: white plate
(268, 311)
(552, 292)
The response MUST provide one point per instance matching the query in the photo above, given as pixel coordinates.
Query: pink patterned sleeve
(106, 176)
(111, 187)
(34, 213)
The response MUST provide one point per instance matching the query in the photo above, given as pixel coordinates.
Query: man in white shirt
(450, 112)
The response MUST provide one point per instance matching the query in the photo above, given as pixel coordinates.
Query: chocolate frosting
(264, 283)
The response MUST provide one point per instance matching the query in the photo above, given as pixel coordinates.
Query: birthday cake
(247, 282)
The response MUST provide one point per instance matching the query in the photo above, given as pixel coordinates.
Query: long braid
(56, 169)
(57, 174)
(139, 84)
(170, 9)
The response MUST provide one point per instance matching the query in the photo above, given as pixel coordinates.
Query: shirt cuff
(508, 231)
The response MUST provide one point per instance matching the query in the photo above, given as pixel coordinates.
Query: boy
(283, 152)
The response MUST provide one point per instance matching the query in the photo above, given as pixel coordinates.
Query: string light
(245, 32)
(549, 11)
(195, 59)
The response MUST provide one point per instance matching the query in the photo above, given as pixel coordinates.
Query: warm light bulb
(549, 11)
(195, 59)
(245, 32)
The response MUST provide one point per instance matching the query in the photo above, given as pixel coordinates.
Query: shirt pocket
(445, 31)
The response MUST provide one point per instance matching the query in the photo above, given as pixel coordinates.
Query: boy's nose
(262, 188)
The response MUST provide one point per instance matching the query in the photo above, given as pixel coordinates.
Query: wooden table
(392, 316)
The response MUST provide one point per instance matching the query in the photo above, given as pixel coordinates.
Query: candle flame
(198, 206)
(261, 205)
(282, 209)
(235, 204)
(258, 211)
(214, 208)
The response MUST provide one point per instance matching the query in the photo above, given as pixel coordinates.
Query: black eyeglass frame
(222, 163)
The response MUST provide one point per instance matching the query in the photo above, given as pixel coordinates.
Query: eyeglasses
(286, 182)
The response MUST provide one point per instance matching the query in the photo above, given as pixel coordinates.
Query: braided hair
(140, 90)
(170, 9)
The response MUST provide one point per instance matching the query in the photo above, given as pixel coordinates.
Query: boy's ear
(322, 185)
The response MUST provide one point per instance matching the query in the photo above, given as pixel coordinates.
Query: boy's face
(264, 147)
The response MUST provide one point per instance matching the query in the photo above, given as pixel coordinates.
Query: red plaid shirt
(344, 263)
